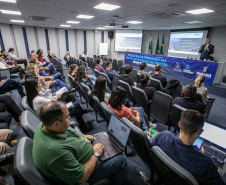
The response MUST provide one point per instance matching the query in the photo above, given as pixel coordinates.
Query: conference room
(112, 92)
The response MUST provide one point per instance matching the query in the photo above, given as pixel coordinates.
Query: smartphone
(198, 142)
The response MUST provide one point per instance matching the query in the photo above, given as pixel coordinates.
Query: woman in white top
(36, 100)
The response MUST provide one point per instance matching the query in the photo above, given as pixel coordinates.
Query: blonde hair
(199, 80)
(30, 67)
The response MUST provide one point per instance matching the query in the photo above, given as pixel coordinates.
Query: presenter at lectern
(206, 50)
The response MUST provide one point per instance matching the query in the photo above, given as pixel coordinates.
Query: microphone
(193, 54)
(189, 54)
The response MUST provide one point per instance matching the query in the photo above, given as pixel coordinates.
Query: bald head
(51, 112)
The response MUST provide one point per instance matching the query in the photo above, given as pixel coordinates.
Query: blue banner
(186, 68)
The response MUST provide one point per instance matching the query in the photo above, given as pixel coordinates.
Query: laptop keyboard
(109, 147)
(214, 151)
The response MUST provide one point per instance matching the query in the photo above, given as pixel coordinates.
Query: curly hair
(81, 73)
(118, 97)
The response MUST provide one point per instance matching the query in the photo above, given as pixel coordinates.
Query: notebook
(114, 139)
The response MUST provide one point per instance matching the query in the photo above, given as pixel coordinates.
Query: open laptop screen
(214, 134)
(119, 130)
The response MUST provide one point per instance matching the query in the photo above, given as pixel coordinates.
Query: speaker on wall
(110, 34)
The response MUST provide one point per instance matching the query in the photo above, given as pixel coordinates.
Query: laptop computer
(114, 139)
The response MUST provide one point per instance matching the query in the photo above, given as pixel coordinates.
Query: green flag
(157, 47)
(150, 47)
(162, 46)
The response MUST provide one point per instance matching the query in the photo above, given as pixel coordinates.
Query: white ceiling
(60, 11)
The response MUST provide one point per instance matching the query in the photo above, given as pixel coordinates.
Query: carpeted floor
(135, 164)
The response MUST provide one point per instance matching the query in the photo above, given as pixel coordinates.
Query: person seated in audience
(4, 54)
(144, 85)
(69, 55)
(7, 85)
(50, 54)
(33, 51)
(199, 84)
(188, 100)
(46, 66)
(143, 66)
(134, 114)
(9, 105)
(158, 75)
(6, 59)
(39, 51)
(108, 71)
(99, 65)
(180, 148)
(12, 68)
(36, 100)
(126, 77)
(13, 58)
(32, 56)
(73, 69)
(6, 143)
(99, 90)
(85, 55)
(41, 72)
(70, 158)
(47, 91)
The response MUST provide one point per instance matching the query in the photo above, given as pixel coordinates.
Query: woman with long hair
(73, 69)
(144, 85)
(36, 100)
(134, 114)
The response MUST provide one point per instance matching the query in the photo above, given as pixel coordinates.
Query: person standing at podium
(206, 50)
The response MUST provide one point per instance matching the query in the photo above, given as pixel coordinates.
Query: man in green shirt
(65, 156)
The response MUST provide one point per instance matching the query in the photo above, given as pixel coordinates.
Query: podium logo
(205, 69)
(187, 67)
(177, 65)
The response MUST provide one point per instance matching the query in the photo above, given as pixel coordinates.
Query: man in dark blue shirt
(180, 148)
(109, 71)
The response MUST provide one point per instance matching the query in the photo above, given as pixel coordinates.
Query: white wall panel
(53, 42)
(7, 37)
(62, 43)
(90, 42)
(19, 38)
(31, 39)
(107, 40)
(80, 43)
(97, 41)
(72, 42)
(42, 40)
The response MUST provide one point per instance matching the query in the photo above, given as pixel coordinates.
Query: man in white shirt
(69, 55)
(85, 55)
(13, 58)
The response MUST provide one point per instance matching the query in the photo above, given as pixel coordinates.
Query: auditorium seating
(109, 83)
(170, 171)
(175, 115)
(156, 84)
(141, 100)
(161, 107)
(97, 109)
(128, 89)
(115, 80)
(97, 73)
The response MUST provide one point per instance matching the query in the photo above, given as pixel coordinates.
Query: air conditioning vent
(38, 18)
(176, 13)
(157, 14)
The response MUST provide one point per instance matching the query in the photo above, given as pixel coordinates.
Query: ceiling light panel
(64, 25)
(101, 28)
(134, 22)
(8, 1)
(200, 11)
(104, 6)
(85, 16)
(20, 21)
(11, 12)
(73, 22)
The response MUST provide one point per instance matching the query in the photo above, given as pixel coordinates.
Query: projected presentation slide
(186, 44)
(128, 40)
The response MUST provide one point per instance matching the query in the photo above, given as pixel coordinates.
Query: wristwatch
(96, 154)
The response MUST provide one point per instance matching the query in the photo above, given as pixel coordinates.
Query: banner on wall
(185, 68)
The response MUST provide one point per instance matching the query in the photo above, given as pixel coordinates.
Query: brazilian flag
(162, 47)
(157, 47)
(150, 47)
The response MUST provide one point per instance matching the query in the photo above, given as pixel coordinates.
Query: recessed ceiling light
(109, 26)
(8, 1)
(21, 21)
(64, 25)
(85, 16)
(73, 22)
(194, 22)
(101, 28)
(200, 11)
(134, 22)
(104, 6)
(11, 12)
